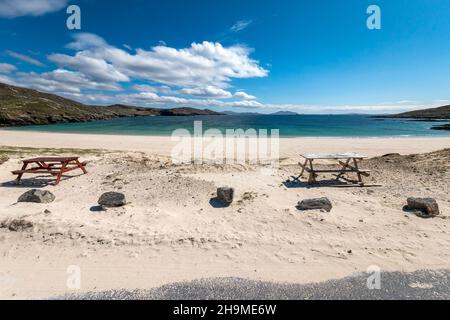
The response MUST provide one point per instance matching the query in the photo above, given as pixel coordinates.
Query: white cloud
(17, 8)
(194, 76)
(201, 64)
(85, 41)
(24, 58)
(208, 91)
(154, 99)
(343, 109)
(94, 68)
(63, 81)
(244, 95)
(240, 25)
(155, 89)
(7, 80)
(7, 68)
(442, 101)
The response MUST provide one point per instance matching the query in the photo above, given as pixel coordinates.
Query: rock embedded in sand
(427, 206)
(37, 196)
(315, 204)
(16, 225)
(112, 199)
(225, 194)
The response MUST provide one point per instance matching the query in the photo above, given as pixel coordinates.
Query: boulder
(112, 199)
(37, 196)
(225, 195)
(427, 206)
(315, 204)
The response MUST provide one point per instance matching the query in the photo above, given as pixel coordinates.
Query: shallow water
(289, 126)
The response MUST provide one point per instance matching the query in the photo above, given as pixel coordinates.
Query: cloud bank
(19, 8)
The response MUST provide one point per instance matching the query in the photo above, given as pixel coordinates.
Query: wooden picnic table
(349, 163)
(56, 166)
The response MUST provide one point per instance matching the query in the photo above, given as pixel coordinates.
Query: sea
(288, 125)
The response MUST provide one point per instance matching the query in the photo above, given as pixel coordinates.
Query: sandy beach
(162, 145)
(169, 231)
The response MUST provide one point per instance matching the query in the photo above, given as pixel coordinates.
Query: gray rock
(112, 199)
(17, 225)
(37, 196)
(315, 204)
(225, 194)
(428, 207)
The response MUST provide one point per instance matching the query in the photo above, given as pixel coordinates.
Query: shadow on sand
(293, 183)
(217, 203)
(35, 182)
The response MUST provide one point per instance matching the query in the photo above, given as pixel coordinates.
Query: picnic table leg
(45, 166)
(312, 174)
(21, 174)
(81, 166)
(355, 163)
(61, 172)
(343, 168)
(303, 170)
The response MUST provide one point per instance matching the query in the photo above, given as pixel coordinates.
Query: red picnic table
(56, 166)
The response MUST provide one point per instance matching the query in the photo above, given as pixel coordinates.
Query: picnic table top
(50, 159)
(346, 155)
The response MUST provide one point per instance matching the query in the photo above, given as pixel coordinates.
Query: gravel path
(394, 285)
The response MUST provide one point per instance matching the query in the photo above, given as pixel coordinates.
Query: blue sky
(305, 56)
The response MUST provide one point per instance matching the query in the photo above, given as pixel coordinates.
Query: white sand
(170, 232)
(289, 147)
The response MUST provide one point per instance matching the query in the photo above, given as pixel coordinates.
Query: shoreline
(407, 136)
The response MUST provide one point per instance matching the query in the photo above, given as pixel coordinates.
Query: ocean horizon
(348, 125)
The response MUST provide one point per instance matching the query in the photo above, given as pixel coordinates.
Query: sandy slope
(169, 231)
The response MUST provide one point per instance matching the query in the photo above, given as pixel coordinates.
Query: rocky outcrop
(426, 114)
(442, 127)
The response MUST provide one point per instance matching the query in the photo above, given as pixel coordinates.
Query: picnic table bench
(348, 164)
(56, 166)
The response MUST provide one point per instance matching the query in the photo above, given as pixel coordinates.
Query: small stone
(112, 199)
(37, 196)
(225, 194)
(315, 204)
(426, 207)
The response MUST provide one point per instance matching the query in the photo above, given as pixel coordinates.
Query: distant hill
(21, 106)
(427, 114)
(284, 113)
(279, 113)
(232, 113)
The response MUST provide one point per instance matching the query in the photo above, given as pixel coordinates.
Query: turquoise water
(289, 126)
